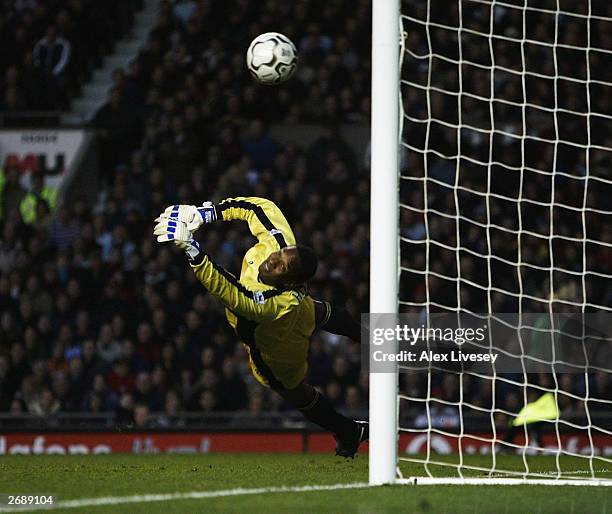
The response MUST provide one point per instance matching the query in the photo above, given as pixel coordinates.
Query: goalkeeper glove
(177, 231)
(191, 215)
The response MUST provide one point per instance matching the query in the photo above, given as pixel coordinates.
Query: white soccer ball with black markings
(271, 58)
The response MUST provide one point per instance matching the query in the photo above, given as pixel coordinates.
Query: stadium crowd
(51, 48)
(112, 322)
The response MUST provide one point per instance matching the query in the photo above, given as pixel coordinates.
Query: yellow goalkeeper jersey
(274, 324)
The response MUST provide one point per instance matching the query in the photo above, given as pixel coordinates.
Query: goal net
(505, 205)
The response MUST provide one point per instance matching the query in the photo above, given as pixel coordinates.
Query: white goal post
(384, 245)
(491, 174)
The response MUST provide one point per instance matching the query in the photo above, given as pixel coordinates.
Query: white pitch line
(192, 495)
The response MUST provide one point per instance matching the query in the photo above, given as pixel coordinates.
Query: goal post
(491, 152)
(384, 245)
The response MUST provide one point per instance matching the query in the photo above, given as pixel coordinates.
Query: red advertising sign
(149, 442)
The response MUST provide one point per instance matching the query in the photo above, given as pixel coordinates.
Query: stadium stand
(111, 322)
(88, 331)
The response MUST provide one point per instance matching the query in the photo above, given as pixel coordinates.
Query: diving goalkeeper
(268, 307)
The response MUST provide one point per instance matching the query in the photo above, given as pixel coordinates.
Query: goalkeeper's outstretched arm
(253, 305)
(265, 219)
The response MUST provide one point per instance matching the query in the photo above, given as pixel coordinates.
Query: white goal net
(505, 207)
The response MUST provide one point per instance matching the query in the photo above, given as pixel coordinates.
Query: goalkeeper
(268, 307)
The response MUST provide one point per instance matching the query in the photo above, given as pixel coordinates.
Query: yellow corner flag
(543, 408)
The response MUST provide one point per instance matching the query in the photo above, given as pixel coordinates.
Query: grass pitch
(94, 476)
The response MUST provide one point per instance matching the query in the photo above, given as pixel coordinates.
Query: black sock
(321, 412)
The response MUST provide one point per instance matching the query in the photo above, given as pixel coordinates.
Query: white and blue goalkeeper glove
(178, 232)
(194, 217)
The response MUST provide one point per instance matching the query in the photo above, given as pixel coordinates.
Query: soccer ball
(271, 58)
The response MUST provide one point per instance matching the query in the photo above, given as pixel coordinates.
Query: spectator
(17, 407)
(352, 399)
(22, 5)
(18, 369)
(109, 400)
(45, 405)
(145, 393)
(184, 10)
(333, 391)
(259, 147)
(233, 386)
(11, 190)
(257, 403)
(328, 149)
(39, 191)
(142, 417)
(6, 390)
(107, 347)
(120, 380)
(52, 56)
(95, 403)
(172, 410)
(63, 229)
(319, 363)
(207, 401)
(124, 413)
(78, 383)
